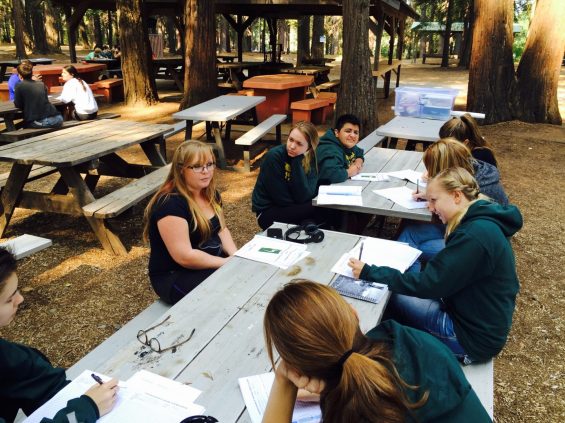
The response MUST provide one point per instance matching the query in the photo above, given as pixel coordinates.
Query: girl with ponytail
(391, 374)
(78, 92)
(466, 294)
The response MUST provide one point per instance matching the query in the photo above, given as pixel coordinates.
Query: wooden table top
(278, 81)
(82, 143)
(417, 129)
(227, 312)
(56, 69)
(219, 109)
(386, 160)
(16, 62)
(307, 70)
(8, 107)
(239, 65)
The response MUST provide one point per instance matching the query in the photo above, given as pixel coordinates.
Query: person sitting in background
(116, 52)
(185, 224)
(94, 54)
(288, 180)
(31, 97)
(466, 294)
(106, 52)
(441, 155)
(391, 374)
(78, 92)
(339, 158)
(466, 130)
(28, 378)
(15, 80)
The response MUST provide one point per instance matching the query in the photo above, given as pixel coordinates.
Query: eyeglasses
(154, 343)
(200, 169)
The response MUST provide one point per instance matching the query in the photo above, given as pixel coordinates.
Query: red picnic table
(50, 74)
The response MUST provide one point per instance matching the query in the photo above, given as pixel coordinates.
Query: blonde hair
(446, 153)
(311, 134)
(458, 179)
(465, 128)
(189, 153)
(312, 327)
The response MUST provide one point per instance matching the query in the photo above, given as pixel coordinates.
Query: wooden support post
(12, 192)
(219, 144)
(155, 151)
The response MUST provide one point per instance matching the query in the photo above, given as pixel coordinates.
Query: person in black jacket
(28, 379)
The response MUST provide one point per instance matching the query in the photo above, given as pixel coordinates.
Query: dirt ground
(77, 295)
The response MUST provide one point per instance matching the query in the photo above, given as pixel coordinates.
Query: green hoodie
(29, 380)
(474, 275)
(282, 181)
(423, 361)
(334, 158)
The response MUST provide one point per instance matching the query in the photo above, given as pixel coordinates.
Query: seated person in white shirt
(79, 93)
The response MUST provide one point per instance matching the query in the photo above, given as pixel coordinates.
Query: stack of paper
(410, 175)
(340, 194)
(145, 397)
(273, 251)
(379, 252)
(401, 196)
(371, 177)
(255, 391)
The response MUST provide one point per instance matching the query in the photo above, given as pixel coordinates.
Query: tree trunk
(110, 29)
(538, 72)
(51, 33)
(468, 22)
(83, 33)
(303, 42)
(491, 72)
(97, 28)
(358, 89)
(317, 49)
(282, 35)
(38, 25)
(200, 54)
(447, 35)
(18, 13)
(139, 84)
(171, 34)
(228, 37)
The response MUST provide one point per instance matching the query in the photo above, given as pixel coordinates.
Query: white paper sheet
(401, 196)
(340, 194)
(255, 391)
(379, 252)
(371, 177)
(410, 175)
(273, 251)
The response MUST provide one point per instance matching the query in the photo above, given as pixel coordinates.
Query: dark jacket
(28, 380)
(31, 97)
(282, 181)
(488, 178)
(416, 356)
(334, 158)
(474, 275)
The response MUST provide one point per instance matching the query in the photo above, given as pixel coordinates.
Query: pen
(97, 378)
(361, 251)
(342, 193)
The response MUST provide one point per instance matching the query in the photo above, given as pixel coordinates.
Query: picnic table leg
(219, 144)
(3, 68)
(82, 195)
(188, 130)
(153, 149)
(12, 192)
(9, 122)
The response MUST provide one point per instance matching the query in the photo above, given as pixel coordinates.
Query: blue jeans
(48, 122)
(426, 237)
(428, 316)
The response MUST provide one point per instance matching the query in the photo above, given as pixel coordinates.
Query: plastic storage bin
(429, 103)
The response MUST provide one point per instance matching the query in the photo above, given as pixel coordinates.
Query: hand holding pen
(418, 196)
(103, 394)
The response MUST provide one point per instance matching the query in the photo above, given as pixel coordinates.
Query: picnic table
(233, 72)
(174, 69)
(227, 312)
(50, 74)
(320, 73)
(227, 57)
(412, 129)
(224, 108)
(4, 64)
(86, 149)
(385, 160)
(9, 112)
(280, 90)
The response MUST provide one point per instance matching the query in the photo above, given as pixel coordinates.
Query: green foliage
(523, 19)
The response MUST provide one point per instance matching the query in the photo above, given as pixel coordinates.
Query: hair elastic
(344, 357)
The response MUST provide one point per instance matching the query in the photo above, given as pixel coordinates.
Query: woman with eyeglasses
(185, 224)
(28, 378)
(288, 180)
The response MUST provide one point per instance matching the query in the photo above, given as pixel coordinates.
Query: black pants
(174, 285)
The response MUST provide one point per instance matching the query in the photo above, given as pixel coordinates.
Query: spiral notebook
(372, 292)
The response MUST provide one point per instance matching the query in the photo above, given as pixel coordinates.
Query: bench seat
(25, 245)
(331, 97)
(37, 171)
(116, 202)
(4, 92)
(481, 378)
(112, 89)
(258, 132)
(370, 141)
(311, 110)
(328, 86)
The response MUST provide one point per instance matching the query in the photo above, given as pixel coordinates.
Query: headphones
(311, 230)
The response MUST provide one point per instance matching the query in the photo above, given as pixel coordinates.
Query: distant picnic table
(4, 64)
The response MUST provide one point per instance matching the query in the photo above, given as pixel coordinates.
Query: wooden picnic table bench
(88, 149)
(384, 71)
